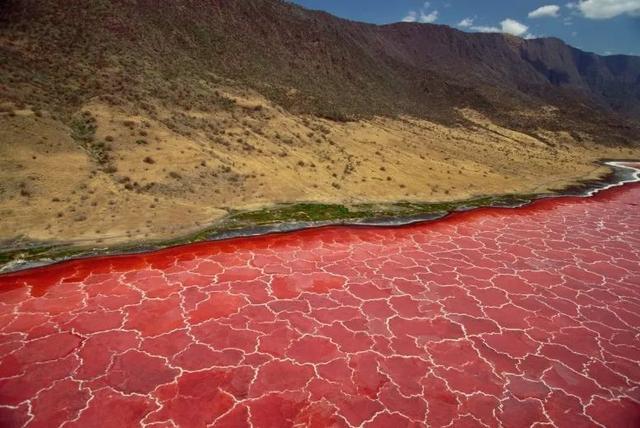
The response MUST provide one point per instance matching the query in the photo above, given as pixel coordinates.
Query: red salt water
(512, 317)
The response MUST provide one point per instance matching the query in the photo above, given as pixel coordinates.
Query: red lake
(494, 317)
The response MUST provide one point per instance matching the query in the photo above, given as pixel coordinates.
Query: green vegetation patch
(242, 222)
(83, 129)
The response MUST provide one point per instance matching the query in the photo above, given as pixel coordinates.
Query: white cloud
(508, 26)
(466, 23)
(511, 26)
(430, 17)
(606, 9)
(549, 11)
(485, 29)
(412, 16)
(422, 15)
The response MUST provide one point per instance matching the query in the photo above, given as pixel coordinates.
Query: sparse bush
(83, 129)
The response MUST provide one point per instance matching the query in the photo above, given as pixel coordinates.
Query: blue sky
(602, 26)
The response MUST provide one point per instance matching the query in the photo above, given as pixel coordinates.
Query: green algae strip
(26, 254)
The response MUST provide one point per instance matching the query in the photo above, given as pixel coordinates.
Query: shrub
(83, 129)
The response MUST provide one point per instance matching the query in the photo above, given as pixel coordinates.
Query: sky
(606, 27)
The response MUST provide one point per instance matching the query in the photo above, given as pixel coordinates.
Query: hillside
(306, 61)
(132, 119)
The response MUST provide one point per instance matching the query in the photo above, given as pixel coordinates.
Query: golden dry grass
(176, 173)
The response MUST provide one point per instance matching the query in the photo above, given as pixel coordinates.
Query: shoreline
(246, 224)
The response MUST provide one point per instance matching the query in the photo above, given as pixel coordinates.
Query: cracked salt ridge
(525, 317)
(621, 174)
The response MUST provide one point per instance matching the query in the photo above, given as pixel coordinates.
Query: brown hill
(307, 61)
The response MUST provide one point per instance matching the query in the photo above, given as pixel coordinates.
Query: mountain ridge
(312, 62)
